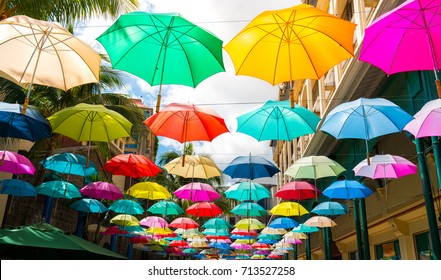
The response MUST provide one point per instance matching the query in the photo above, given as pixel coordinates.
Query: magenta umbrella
(196, 191)
(102, 190)
(15, 163)
(154, 222)
(407, 38)
(426, 121)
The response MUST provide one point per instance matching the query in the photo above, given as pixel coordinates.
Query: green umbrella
(163, 49)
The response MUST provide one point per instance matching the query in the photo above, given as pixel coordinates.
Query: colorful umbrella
(330, 208)
(192, 166)
(44, 53)
(166, 208)
(126, 206)
(426, 120)
(251, 167)
(314, 167)
(301, 42)
(17, 187)
(89, 205)
(69, 163)
(148, 190)
(163, 49)
(283, 222)
(59, 189)
(30, 126)
(196, 191)
(154, 221)
(124, 220)
(247, 191)
(288, 208)
(320, 221)
(217, 223)
(249, 224)
(15, 163)
(183, 222)
(131, 165)
(249, 209)
(347, 189)
(102, 190)
(204, 209)
(298, 190)
(365, 118)
(410, 29)
(276, 120)
(385, 166)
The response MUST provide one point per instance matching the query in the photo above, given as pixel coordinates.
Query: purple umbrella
(196, 191)
(102, 190)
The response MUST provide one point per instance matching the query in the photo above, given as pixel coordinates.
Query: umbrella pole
(158, 100)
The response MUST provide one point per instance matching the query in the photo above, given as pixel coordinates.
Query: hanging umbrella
(365, 118)
(69, 163)
(320, 221)
(124, 220)
(385, 166)
(304, 228)
(59, 189)
(183, 222)
(204, 209)
(276, 120)
(249, 224)
(131, 165)
(247, 191)
(166, 208)
(217, 223)
(163, 49)
(251, 167)
(154, 221)
(410, 29)
(196, 191)
(288, 208)
(314, 167)
(102, 190)
(15, 163)
(89, 205)
(301, 42)
(249, 209)
(298, 190)
(30, 126)
(192, 166)
(126, 206)
(44, 53)
(426, 120)
(283, 222)
(330, 208)
(17, 187)
(347, 189)
(148, 190)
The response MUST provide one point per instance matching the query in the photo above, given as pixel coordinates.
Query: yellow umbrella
(289, 209)
(148, 190)
(158, 230)
(301, 42)
(125, 220)
(249, 223)
(192, 166)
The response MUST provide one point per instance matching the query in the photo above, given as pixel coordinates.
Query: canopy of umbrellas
(276, 120)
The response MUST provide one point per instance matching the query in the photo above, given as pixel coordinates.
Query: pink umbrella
(196, 191)
(241, 246)
(154, 222)
(184, 223)
(15, 163)
(102, 190)
(409, 31)
(385, 166)
(426, 122)
(204, 209)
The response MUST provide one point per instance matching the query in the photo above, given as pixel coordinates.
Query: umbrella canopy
(30, 126)
(426, 120)
(154, 221)
(187, 122)
(89, 205)
(126, 206)
(249, 209)
(296, 43)
(410, 29)
(217, 223)
(288, 208)
(17, 188)
(249, 224)
(251, 167)
(276, 120)
(304, 228)
(166, 208)
(298, 190)
(102, 190)
(204, 209)
(124, 220)
(52, 243)
(347, 189)
(69, 163)
(163, 49)
(196, 191)
(148, 190)
(314, 167)
(15, 163)
(87, 122)
(385, 166)
(183, 222)
(247, 191)
(330, 208)
(131, 165)
(283, 222)
(320, 221)
(192, 166)
(59, 189)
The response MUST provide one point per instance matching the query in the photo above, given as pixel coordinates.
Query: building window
(423, 246)
(388, 251)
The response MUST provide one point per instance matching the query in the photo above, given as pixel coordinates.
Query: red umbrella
(298, 190)
(131, 165)
(204, 209)
(184, 223)
(178, 243)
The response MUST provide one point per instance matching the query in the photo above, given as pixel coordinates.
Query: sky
(225, 93)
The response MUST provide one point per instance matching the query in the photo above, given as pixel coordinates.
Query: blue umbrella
(347, 189)
(17, 187)
(126, 206)
(249, 209)
(69, 163)
(247, 191)
(251, 167)
(330, 208)
(283, 222)
(89, 205)
(59, 189)
(30, 126)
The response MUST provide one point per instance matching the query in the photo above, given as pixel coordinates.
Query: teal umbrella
(59, 189)
(247, 191)
(249, 209)
(69, 163)
(166, 208)
(302, 228)
(276, 120)
(216, 223)
(330, 208)
(89, 205)
(126, 206)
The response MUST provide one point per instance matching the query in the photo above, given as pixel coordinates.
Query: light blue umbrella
(89, 205)
(330, 208)
(126, 206)
(347, 189)
(283, 222)
(249, 209)
(251, 167)
(17, 187)
(276, 120)
(247, 191)
(216, 232)
(69, 163)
